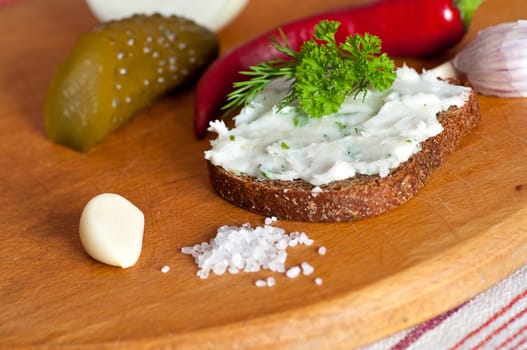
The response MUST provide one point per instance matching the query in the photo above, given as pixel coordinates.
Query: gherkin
(119, 68)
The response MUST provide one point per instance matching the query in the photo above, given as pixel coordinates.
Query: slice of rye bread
(354, 198)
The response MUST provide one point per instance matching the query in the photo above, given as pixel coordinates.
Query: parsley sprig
(322, 73)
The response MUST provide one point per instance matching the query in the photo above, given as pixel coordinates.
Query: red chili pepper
(407, 28)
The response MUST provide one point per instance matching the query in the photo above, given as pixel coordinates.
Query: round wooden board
(465, 231)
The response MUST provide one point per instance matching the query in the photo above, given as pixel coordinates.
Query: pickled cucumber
(119, 68)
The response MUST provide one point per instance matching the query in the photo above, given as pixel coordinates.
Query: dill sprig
(322, 73)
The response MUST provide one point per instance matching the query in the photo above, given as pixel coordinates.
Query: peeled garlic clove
(111, 230)
(495, 62)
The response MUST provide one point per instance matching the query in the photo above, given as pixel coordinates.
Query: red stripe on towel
(490, 320)
(516, 346)
(512, 337)
(422, 329)
(499, 329)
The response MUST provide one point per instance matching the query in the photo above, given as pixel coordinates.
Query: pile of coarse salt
(247, 249)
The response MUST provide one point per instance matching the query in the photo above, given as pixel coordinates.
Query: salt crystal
(260, 283)
(220, 268)
(293, 272)
(237, 260)
(316, 191)
(165, 269)
(248, 249)
(233, 270)
(187, 250)
(318, 281)
(322, 250)
(307, 269)
(282, 244)
(271, 282)
(269, 221)
(282, 256)
(203, 274)
(304, 239)
(252, 266)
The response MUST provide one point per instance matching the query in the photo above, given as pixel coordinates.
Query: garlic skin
(495, 62)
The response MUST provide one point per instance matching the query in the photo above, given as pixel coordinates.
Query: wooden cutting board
(465, 231)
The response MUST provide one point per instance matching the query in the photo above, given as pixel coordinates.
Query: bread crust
(356, 198)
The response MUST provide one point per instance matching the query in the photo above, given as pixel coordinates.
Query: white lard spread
(370, 136)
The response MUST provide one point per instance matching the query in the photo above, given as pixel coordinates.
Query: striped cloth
(495, 319)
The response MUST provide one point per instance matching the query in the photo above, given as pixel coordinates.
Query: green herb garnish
(322, 73)
(300, 120)
(284, 145)
(263, 174)
(341, 126)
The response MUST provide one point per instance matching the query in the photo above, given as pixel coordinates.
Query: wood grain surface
(465, 231)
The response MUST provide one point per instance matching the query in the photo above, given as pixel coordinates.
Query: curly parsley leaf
(322, 73)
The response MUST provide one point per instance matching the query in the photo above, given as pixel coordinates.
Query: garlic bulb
(495, 62)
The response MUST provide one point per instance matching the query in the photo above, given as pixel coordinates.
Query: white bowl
(213, 14)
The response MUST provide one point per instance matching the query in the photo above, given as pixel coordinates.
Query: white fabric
(495, 319)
